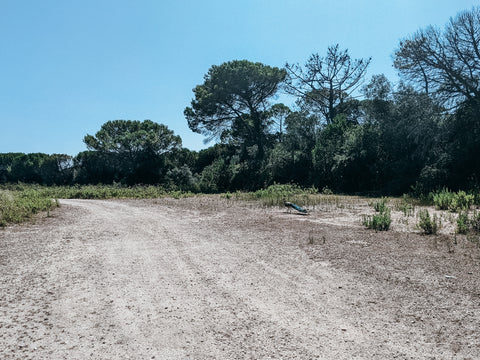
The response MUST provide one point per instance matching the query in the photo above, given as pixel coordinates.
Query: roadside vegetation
(17, 206)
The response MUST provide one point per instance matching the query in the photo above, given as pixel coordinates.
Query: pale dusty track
(206, 278)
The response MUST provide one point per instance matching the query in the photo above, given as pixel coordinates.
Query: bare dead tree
(326, 82)
(445, 63)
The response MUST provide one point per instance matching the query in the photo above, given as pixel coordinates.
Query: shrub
(461, 201)
(380, 222)
(427, 224)
(446, 200)
(181, 178)
(381, 206)
(463, 223)
(443, 199)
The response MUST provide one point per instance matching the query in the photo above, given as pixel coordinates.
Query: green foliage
(427, 224)
(326, 82)
(105, 192)
(468, 225)
(16, 206)
(378, 222)
(446, 200)
(462, 201)
(36, 167)
(232, 103)
(131, 137)
(381, 206)
(181, 178)
(215, 177)
(132, 152)
(443, 199)
(463, 223)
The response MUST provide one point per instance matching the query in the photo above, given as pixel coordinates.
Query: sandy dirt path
(206, 278)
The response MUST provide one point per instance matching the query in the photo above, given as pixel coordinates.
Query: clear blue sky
(68, 66)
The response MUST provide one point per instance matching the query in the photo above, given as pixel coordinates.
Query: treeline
(341, 133)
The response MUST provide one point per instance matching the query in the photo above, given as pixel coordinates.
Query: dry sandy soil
(211, 278)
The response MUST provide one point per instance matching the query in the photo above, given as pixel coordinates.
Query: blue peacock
(294, 206)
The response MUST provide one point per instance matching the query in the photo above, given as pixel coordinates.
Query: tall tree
(135, 149)
(328, 81)
(445, 63)
(233, 101)
(132, 137)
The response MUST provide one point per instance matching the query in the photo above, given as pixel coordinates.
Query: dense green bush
(462, 201)
(446, 200)
(443, 199)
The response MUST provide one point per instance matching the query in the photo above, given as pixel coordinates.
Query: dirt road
(208, 278)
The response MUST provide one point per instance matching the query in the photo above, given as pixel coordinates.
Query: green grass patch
(17, 206)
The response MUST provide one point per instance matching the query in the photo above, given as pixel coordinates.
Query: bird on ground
(294, 206)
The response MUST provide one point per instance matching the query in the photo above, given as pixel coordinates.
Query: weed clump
(430, 226)
(380, 221)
